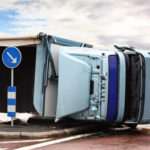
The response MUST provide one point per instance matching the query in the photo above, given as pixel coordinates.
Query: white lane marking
(24, 141)
(56, 141)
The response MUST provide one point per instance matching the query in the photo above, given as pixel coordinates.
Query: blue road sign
(11, 57)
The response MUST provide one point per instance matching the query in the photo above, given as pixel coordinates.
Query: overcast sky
(99, 22)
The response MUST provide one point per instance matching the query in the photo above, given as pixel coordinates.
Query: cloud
(102, 23)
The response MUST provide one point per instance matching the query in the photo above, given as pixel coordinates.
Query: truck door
(73, 85)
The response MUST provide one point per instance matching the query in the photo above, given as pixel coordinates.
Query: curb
(145, 128)
(48, 134)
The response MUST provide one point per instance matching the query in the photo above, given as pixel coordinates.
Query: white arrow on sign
(14, 60)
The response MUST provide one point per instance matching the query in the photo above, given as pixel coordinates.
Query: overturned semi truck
(62, 78)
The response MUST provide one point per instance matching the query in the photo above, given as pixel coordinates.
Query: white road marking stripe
(24, 141)
(56, 141)
(11, 95)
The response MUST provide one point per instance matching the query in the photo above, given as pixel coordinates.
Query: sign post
(11, 58)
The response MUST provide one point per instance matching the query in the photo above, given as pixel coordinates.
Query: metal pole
(12, 77)
(12, 121)
(12, 84)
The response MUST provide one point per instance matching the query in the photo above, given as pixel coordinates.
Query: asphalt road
(111, 139)
(109, 142)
